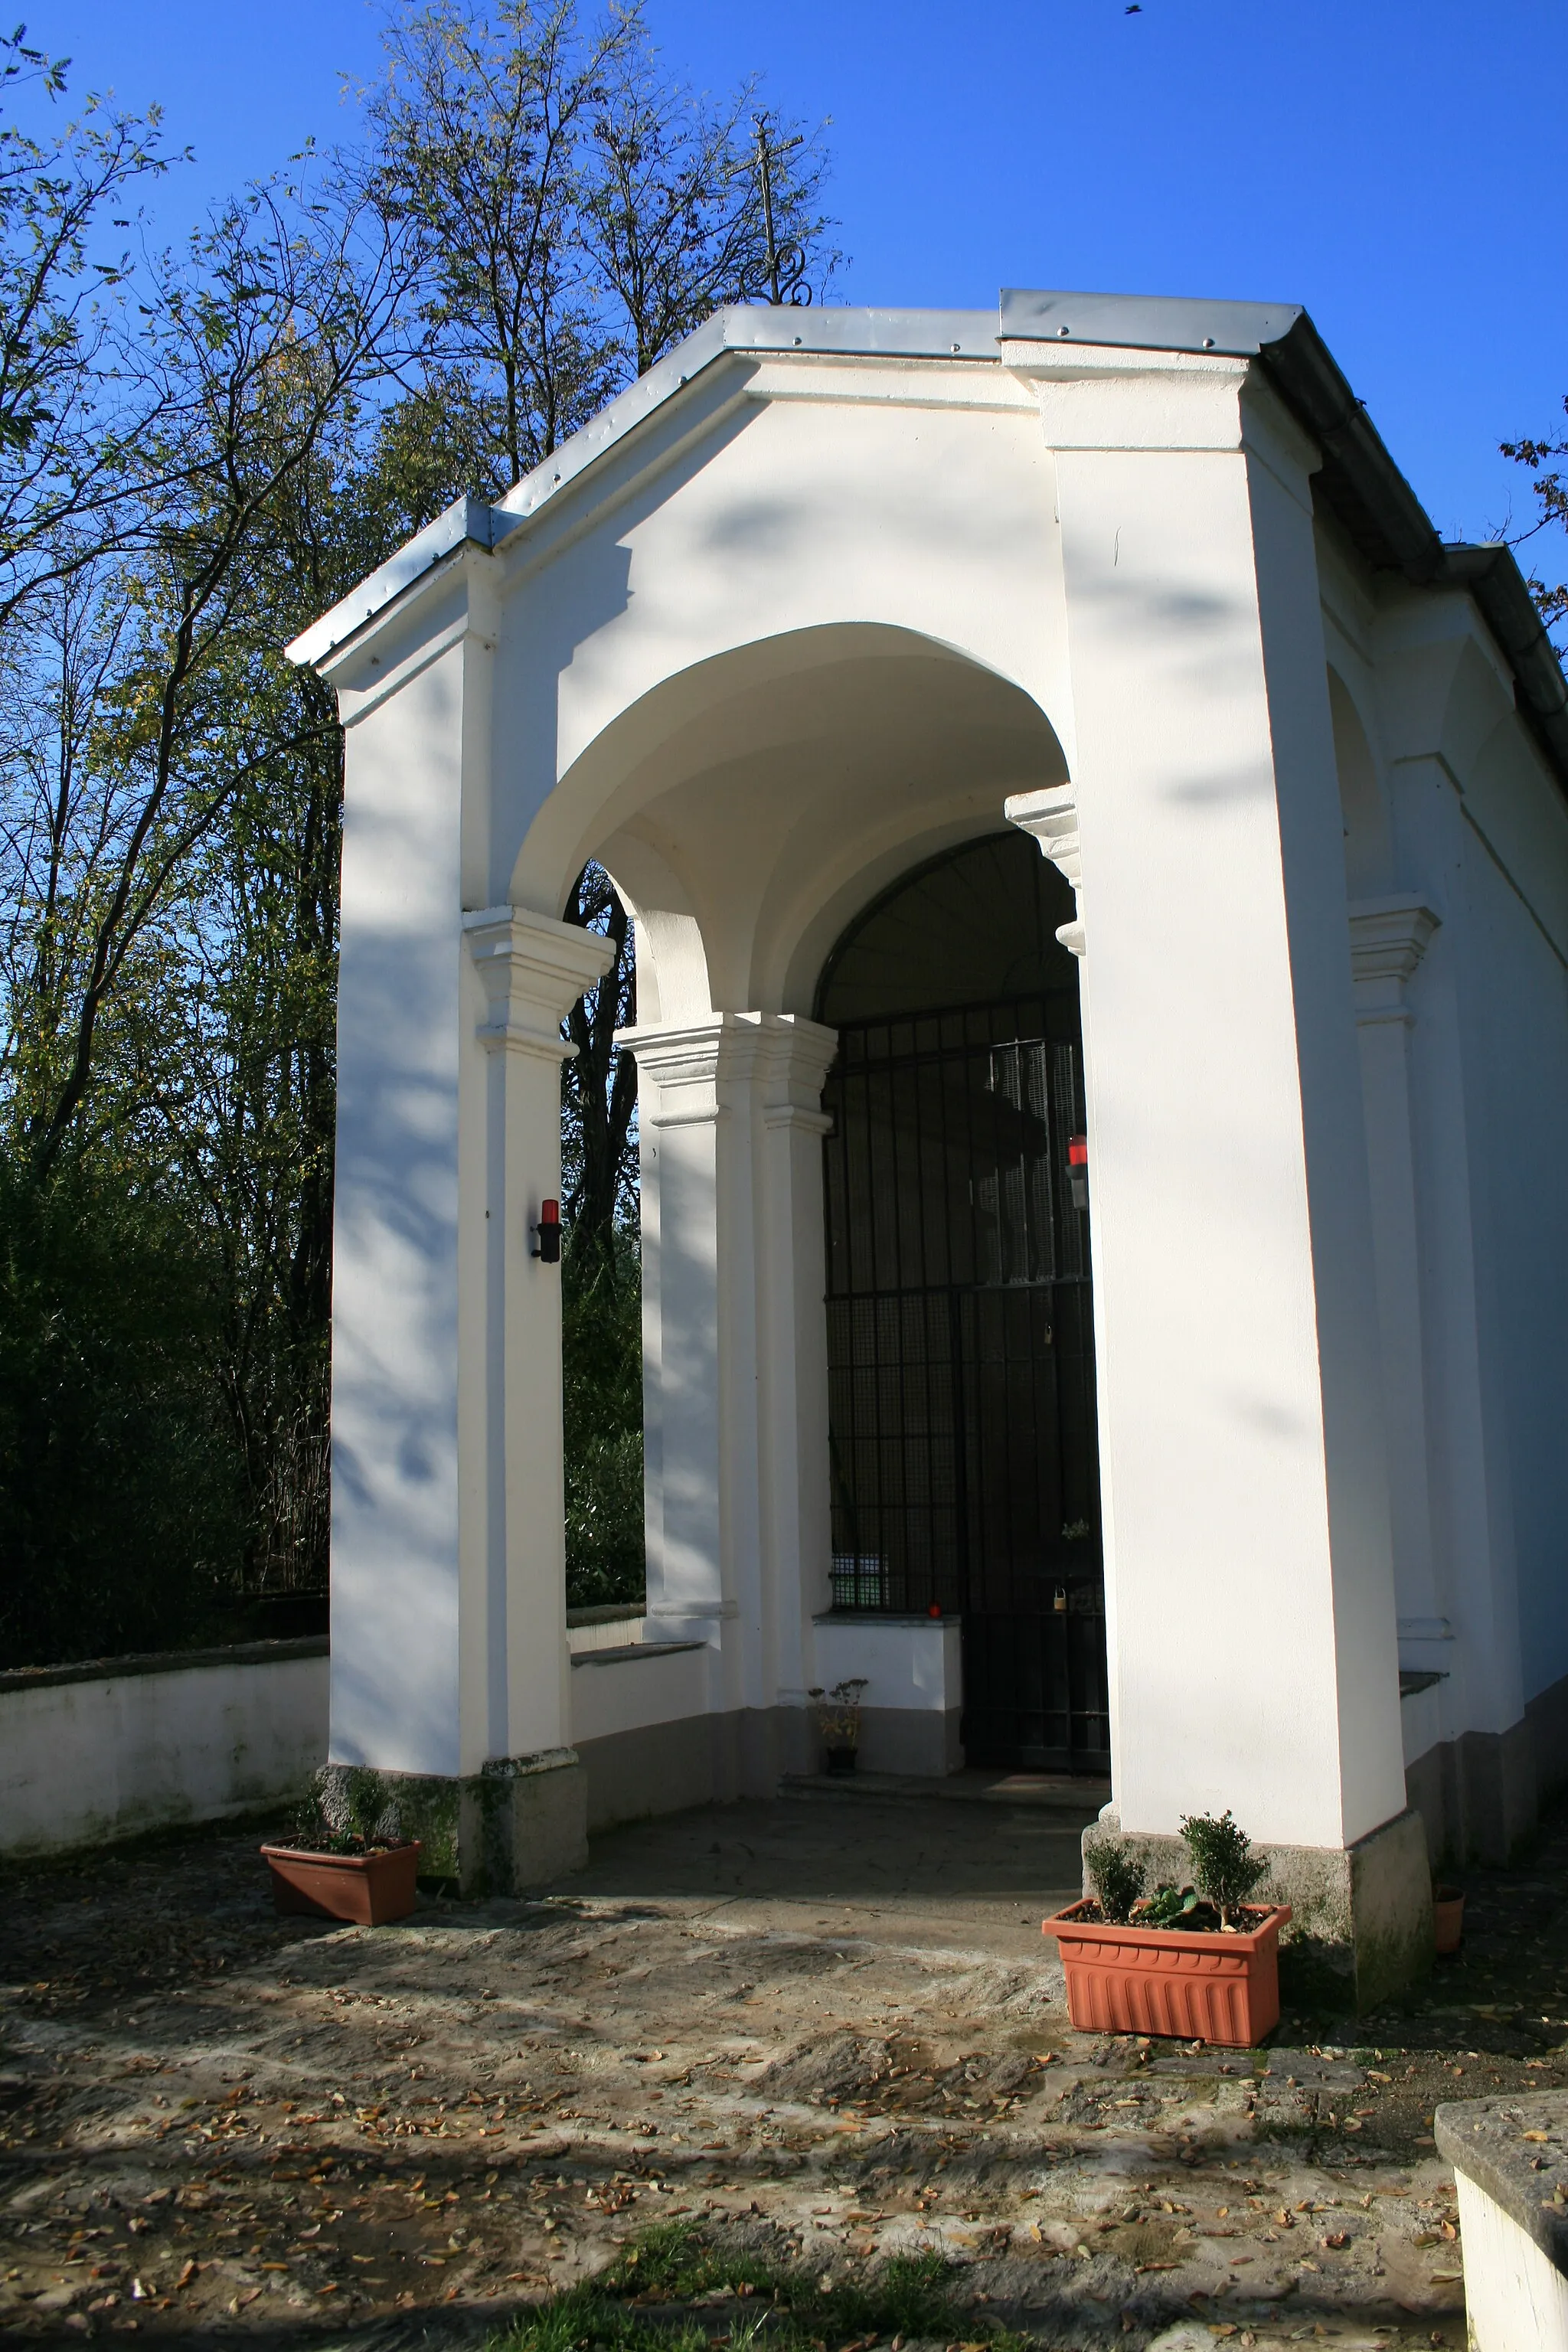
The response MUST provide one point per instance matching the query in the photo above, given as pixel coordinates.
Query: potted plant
(1448, 1917)
(347, 1858)
(838, 1722)
(1200, 1962)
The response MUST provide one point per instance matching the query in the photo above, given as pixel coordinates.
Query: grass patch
(647, 2294)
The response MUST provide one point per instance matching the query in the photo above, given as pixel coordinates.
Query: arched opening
(961, 1358)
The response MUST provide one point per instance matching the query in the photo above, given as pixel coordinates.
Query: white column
(1246, 1521)
(525, 973)
(679, 1117)
(735, 1357)
(1388, 939)
(792, 1349)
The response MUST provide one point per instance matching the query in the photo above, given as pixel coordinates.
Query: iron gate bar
(962, 1435)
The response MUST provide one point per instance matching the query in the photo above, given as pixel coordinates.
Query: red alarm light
(547, 1248)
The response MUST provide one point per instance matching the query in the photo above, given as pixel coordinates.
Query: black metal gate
(961, 1361)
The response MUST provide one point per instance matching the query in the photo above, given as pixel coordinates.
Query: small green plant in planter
(1117, 1876)
(346, 1856)
(1199, 1962)
(1168, 1907)
(1224, 1868)
(839, 1721)
(346, 1813)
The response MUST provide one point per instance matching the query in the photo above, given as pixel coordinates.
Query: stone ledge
(165, 1661)
(625, 1650)
(1487, 2140)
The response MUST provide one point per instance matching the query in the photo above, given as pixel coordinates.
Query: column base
(517, 1823)
(1361, 1925)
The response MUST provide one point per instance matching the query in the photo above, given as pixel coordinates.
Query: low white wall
(591, 1631)
(107, 1750)
(905, 1662)
(628, 1690)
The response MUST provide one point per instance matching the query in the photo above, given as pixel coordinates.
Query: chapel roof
(1359, 481)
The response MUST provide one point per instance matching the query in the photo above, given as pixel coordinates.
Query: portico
(825, 599)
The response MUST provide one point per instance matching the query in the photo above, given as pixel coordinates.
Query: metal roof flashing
(467, 522)
(1144, 322)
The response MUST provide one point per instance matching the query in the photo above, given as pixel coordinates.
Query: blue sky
(1396, 167)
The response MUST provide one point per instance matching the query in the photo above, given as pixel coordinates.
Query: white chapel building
(1100, 864)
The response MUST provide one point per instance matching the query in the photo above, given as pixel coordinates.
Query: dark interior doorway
(959, 1330)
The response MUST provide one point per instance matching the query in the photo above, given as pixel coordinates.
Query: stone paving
(828, 2027)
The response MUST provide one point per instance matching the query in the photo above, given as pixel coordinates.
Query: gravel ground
(829, 2030)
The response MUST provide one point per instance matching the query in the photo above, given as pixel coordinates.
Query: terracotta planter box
(1197, 1987)
(367, 1888)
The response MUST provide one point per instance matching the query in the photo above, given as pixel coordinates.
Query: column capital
(1051, 816)
(795, 1055)
(1388, 939)
(533, 970)
(690, 1061)
(682, 1060)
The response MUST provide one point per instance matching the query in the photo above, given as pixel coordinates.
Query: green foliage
(121, 1526)
(1117, 1877)
(1543, 459)
(601, 1346)
(1224, 1865)
(1168, 1907)
(347, 1810)
(908, 2296)
(199, 453)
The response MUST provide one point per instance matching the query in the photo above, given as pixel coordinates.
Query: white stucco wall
(612, 1694)
(1516, 1027)
(1450, 805)
(83, 1761)
(912, 1663)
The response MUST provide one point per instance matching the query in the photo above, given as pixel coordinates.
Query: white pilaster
(526, 972)
(1248, 1546)
(792, 1283)
(1388, 939)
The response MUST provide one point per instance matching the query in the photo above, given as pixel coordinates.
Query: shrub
(1117, 1878)
(1225, 1867)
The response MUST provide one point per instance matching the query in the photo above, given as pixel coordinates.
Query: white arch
(764, 795)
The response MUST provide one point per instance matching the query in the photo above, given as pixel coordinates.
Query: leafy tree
(578, 213)
(75, 392)
(1543, 460)
(199, 453)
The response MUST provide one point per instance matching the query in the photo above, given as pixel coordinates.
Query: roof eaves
(1367, 494)
(467, 522)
